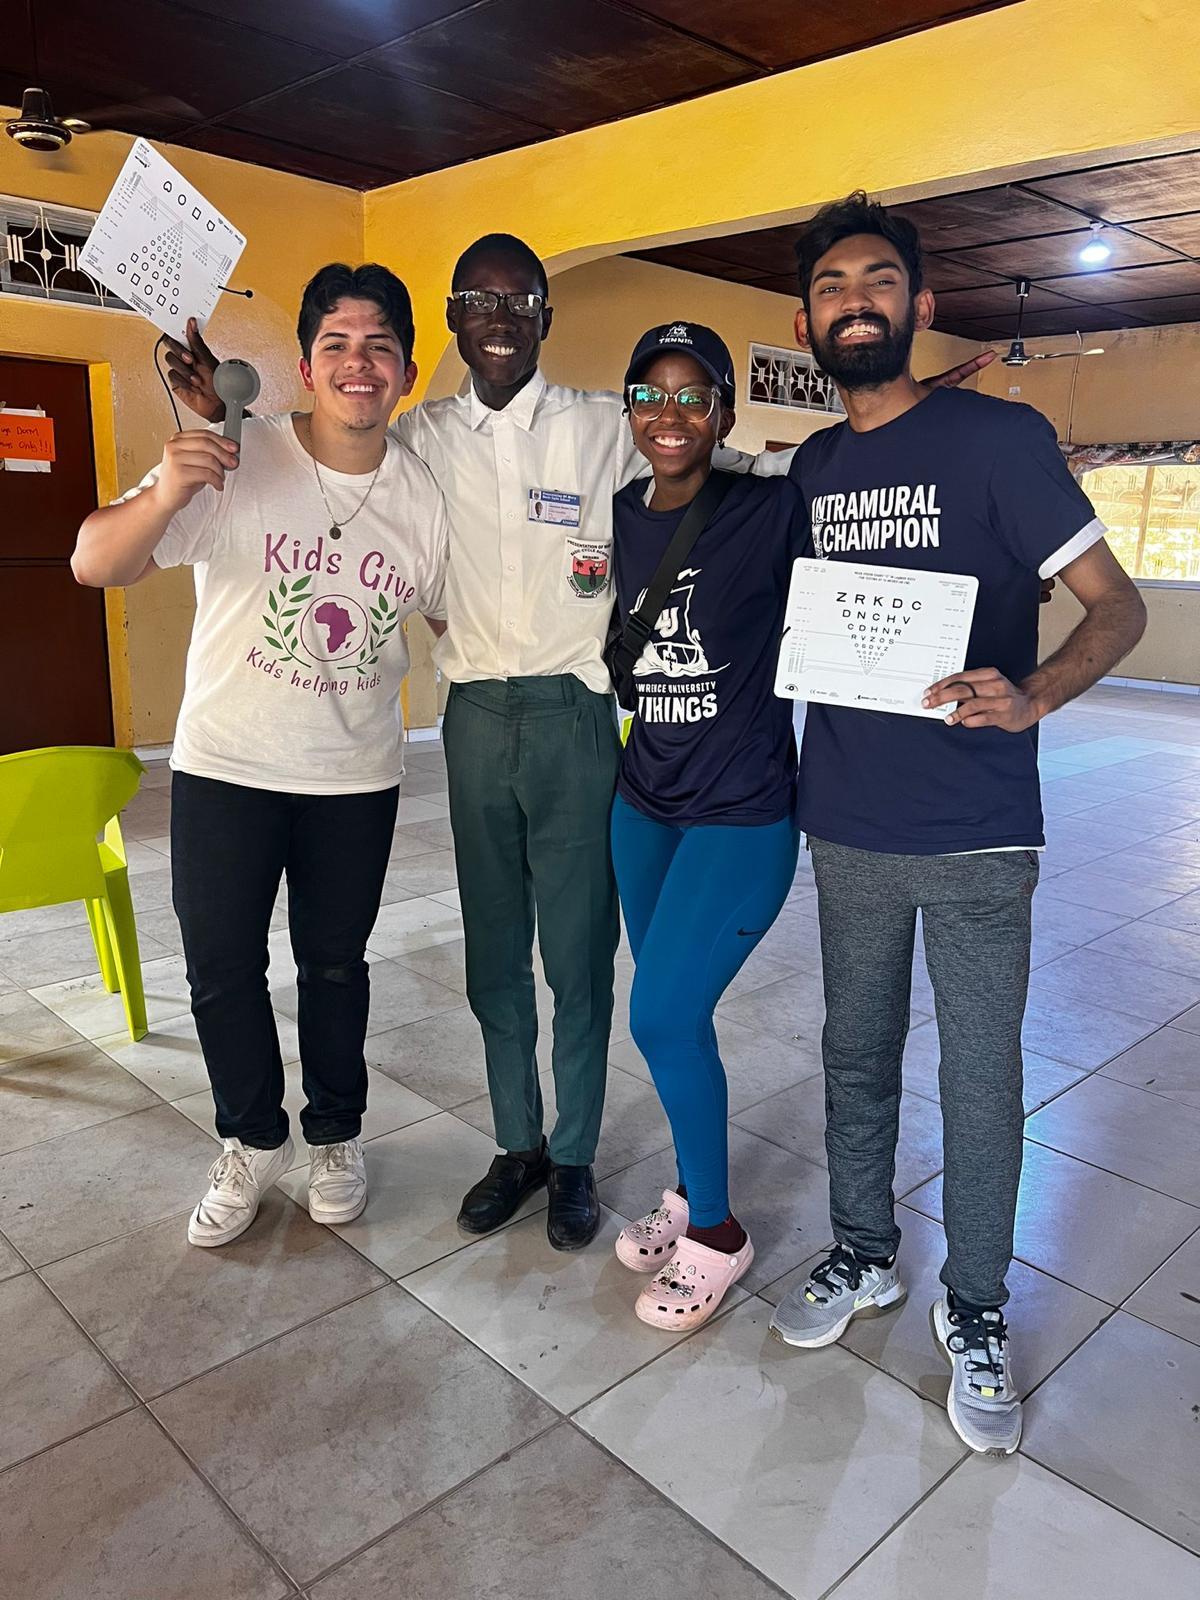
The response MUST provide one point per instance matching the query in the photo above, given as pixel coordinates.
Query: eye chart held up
(160, 245)
(873, 638)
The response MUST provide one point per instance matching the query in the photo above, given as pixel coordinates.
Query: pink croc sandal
(692, 1284)
(644, 1246)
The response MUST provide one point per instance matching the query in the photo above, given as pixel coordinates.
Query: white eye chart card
(873, 638)
(160, 245)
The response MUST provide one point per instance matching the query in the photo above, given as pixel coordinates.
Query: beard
(865, 366)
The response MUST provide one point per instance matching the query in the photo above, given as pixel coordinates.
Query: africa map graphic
(327, 629)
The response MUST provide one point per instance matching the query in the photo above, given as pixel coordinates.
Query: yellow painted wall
(1146, 386)
(602, 308)
(1170, 647)
(292, 226)
(1031, 83)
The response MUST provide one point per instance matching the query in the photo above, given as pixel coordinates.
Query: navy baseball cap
(689, 339)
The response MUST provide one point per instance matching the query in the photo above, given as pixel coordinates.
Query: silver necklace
(335, 527)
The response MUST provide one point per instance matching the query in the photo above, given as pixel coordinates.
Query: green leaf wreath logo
(282, 619)
(284, 605)
(381, 620)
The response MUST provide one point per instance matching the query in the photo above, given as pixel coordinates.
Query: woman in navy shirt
(703, 830)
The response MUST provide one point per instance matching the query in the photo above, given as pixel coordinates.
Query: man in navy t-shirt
(941, 816)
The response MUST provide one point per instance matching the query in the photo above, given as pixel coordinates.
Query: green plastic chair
(53, 804)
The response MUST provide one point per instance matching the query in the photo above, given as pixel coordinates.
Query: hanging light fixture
(1097, 250)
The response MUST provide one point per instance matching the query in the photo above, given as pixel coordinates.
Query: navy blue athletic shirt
(710, 742)
(961, 483)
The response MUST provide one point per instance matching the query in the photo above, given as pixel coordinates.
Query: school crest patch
(589, 568)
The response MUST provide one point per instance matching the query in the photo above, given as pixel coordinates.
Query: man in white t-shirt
(287, 759)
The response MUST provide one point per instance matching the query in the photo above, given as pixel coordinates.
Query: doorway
(54, 668)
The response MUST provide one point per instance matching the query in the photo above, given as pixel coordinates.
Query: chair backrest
(53, 803)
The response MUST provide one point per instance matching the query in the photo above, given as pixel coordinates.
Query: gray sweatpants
(975, 911)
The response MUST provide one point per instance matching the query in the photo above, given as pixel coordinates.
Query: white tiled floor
(398, 1412)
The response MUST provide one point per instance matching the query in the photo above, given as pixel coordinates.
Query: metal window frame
(68, 228)
(803, 373)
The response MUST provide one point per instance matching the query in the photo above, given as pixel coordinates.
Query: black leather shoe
(574, 1213)
(496, 1196)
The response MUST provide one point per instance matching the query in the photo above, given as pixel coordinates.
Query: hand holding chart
(873, 638)
(160, 245)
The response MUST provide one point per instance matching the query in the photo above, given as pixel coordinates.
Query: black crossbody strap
(639, 624)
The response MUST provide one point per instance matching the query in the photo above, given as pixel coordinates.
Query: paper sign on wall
(26, 439)
(160, 245)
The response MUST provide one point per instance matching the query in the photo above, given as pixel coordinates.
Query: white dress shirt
(522, 597)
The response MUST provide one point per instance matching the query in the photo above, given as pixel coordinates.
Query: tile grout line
(1125, 1307)
(277, 1565)
(706, 1532)
(505, 1455)
(1100, 1500)
(1165, 1194)
(899, 1523)
(136, 1402)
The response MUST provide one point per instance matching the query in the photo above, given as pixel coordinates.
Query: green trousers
(532, 765)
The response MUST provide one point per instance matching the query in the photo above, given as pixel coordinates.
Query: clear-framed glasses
(482, 302)
(647, 401)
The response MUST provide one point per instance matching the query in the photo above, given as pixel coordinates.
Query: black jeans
(230, 846)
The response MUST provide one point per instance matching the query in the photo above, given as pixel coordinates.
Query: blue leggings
(696, 902)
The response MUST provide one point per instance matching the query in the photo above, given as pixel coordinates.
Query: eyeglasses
(648, 402)
(482, 302)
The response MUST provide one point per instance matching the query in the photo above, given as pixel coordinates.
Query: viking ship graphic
(674, 649)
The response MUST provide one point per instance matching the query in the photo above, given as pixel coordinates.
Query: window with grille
(1153, 518)
(790, 379)
(40, 255)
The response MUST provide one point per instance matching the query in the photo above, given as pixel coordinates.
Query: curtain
(1170, 453)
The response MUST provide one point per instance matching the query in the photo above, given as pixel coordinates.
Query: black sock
(956, 1303)
(681, 1190)
(529, 1157)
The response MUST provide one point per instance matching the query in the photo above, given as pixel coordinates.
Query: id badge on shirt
(554, 506)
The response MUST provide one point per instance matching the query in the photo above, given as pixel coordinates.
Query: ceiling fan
(1018, 356)
(37, 128)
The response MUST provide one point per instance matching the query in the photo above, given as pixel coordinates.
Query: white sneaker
(238, 1180)
(337, 1182)
(983, 1402)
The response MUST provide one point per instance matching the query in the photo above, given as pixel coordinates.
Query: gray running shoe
(819, 1311)
(984, 1406)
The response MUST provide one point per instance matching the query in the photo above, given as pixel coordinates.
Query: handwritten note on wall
(26, 439)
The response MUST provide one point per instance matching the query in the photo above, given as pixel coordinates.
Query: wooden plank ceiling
(979, 242)
(367, 92)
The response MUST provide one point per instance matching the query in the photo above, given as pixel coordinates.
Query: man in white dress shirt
(529, 470)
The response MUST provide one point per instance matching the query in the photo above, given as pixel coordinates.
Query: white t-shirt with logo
(298, 648)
